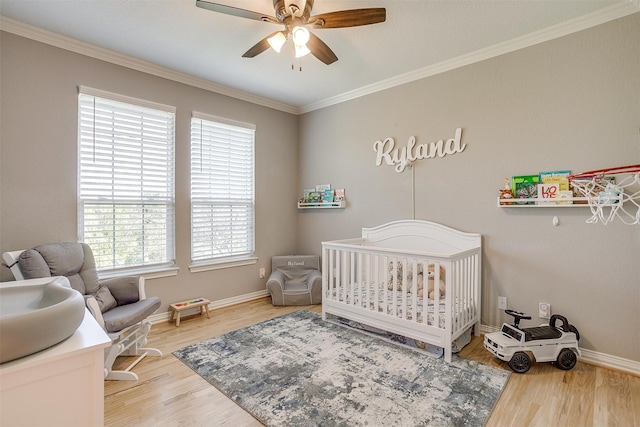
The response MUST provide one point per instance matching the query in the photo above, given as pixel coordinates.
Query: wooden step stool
(178, 307)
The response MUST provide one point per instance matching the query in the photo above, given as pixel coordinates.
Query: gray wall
(572, 103)
(39, 160)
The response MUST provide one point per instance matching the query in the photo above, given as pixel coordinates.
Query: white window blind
(222, 189)
(126, 180)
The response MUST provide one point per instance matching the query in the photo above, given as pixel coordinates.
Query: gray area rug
(298, 370)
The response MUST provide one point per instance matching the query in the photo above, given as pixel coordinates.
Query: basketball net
(611, 193)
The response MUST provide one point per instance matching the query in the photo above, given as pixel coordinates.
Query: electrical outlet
(544, 310)
(262, 273)
(502, 303)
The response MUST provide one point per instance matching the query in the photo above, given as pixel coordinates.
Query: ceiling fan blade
(235, 11)
(349, 18)
(259, 47)
(320, 50)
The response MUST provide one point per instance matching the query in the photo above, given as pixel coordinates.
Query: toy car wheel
(567, 359)
(520, 362)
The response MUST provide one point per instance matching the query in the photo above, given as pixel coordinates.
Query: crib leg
(447, 353)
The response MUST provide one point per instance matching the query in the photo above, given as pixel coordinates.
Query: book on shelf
(559, 177)
(599, 185)
(314, 197)
(321, 187)
(339, 194)
(564, 197)
(327, 196)
(305, 194)
(525, 187)
(548, 191)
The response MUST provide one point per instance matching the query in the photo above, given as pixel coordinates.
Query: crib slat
(405, 285)
(414, 291)
(367, 282)
(338, 275)
(376, 282)
(425, 294)
(394, 292)
(352, 270)
(385, 286)
(437, 297)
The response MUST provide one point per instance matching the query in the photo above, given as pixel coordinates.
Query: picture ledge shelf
(322, 205)
(575, 202)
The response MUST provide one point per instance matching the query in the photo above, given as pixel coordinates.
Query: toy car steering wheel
(517, 316)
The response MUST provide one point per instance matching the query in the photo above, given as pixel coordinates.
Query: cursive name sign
(403, 157)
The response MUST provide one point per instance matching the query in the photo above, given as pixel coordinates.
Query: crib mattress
(364, 295)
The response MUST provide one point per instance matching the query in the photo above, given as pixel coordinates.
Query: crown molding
(599, 17)
(569, 27)
(57, 40)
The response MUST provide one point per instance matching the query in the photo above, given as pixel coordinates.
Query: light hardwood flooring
(170, 394)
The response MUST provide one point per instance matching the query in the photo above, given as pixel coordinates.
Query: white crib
(371, 280)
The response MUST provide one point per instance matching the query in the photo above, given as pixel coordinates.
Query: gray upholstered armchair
(118, 304)
(295, 280)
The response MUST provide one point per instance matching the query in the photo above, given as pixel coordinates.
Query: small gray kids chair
(295, 280)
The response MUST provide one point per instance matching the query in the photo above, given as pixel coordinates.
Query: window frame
(247, 257)
(150, 269)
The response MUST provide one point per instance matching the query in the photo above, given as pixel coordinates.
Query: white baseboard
(593, 357)
(165, 316)
(610, 361)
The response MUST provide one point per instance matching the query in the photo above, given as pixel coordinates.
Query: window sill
(147, 273)
(219, 265)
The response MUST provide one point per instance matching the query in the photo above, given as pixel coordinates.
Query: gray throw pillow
(106, 301)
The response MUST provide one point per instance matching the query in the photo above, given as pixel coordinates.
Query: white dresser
(60, 386)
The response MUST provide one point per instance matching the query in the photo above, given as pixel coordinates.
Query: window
(126, 180)
(222, 190)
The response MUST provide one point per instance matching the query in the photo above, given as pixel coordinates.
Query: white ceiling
(419, 38)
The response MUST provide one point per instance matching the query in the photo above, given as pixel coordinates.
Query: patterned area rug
(298, 370)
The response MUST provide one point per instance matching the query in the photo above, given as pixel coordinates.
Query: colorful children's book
(306, 192)
(559, 177)
(315, 197)
(339, 194)
(525, 187)
(548, 191)
(327, 196)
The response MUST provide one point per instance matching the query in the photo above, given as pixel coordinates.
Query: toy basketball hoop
(611, 193)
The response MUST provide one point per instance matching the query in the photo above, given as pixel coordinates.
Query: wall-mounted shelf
(576, 202)
(323, 205)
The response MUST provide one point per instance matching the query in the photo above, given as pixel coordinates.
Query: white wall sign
(403, 157)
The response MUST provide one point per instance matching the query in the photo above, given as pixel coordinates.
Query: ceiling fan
(296, 21)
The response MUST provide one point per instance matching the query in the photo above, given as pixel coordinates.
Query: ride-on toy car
(547, 343)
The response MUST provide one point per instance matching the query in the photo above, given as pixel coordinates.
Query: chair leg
(129, 344)
(121, 376)
(110, 355)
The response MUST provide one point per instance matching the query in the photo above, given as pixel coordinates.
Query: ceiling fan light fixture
(301, 50)
(300, 35)
(295, 19)
(277, 41)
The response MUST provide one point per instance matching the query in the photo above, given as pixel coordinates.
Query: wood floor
(170, 394)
